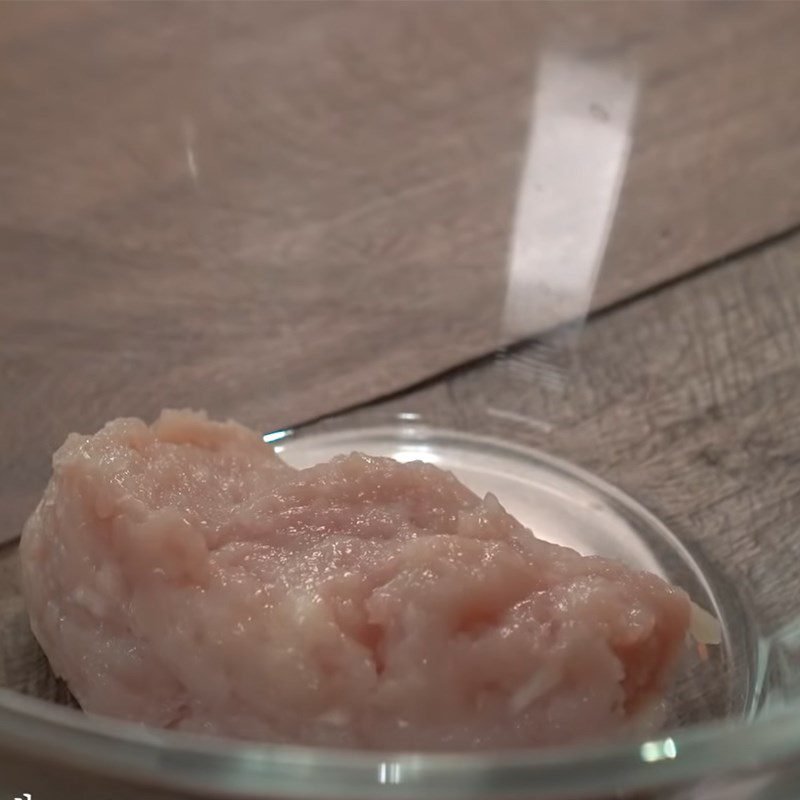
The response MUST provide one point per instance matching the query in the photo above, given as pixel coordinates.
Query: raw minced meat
(183, 576)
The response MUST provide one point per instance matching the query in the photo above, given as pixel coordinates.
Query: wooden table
(283, 212)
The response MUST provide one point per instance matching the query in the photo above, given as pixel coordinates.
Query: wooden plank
(687, 399)
(277, 210)
(378, 139)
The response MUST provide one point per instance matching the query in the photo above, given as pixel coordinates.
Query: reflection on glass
(573, 167)
(658, 750)
(189, 136)
(390, 772)
(276, 436)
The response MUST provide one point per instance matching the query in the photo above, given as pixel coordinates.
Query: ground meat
(183, 576)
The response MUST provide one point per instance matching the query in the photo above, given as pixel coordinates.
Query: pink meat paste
(183, 576)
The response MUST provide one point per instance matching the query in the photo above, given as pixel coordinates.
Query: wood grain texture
(277, 210)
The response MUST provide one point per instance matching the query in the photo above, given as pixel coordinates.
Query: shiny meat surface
(181, 575)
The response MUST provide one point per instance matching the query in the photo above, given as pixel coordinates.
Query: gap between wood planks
(603, 311)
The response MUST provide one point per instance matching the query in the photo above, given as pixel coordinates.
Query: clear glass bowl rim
(209, 766)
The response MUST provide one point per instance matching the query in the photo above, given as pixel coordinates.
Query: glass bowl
(728, 708)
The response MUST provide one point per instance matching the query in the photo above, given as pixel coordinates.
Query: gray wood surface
(278, 210)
